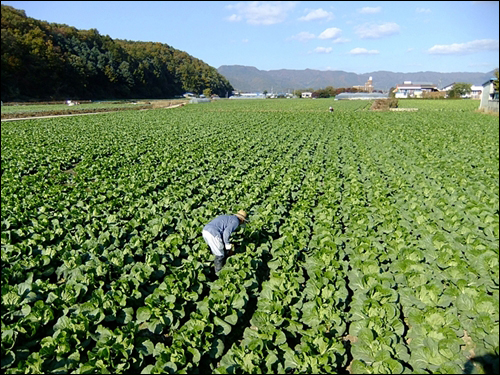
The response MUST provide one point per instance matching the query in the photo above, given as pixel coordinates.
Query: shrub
(384, 104)
(434, 95)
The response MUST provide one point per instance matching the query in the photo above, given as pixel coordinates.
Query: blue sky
(354, 36)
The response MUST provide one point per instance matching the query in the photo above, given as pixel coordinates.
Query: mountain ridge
(250, 79)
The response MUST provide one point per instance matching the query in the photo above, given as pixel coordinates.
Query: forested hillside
(50, 61)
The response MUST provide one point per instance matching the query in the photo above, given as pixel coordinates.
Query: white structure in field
(361, 96)
(489, 98)
(248, 95)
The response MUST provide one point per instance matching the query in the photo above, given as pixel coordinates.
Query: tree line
(51, 61)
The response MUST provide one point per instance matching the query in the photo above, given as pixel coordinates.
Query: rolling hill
(251, 79)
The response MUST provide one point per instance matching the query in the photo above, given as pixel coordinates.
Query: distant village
(406, 90)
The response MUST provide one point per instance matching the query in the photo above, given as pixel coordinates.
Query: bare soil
(141, 105)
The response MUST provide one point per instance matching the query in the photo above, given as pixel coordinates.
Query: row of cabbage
(121, 225)
(424, 232)
(351, 258)
(108, 229)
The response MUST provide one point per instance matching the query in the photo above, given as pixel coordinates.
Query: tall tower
(368, 85)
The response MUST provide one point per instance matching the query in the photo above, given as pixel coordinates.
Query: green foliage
(49, 61)
(459, 89)
(207, 93)
(372, 247)
(327, 92)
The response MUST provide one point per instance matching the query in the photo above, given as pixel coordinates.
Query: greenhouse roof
(361, 95)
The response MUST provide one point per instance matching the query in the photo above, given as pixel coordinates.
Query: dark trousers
(218, 263)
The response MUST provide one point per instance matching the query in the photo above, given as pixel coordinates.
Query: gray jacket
(222, 227)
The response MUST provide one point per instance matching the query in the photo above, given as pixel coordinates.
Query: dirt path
(88, 113)
(49, 116)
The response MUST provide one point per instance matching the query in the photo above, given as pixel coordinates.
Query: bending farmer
(217, 235)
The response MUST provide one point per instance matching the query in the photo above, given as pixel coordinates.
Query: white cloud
(369, 10)
(374, 31)
(480, 64)
(323, 49)
(464, 48)
(303, 36)
(317, 14)
(423, 10)
(261, 12)
(330, 33)
(363, 51)
(341, 40)
(234, 18)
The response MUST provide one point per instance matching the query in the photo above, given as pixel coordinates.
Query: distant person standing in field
(217, 235)
(331, 109)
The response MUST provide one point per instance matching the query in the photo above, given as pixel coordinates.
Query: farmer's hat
(242, 215)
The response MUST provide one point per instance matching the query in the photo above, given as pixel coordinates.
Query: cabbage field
(372, 246)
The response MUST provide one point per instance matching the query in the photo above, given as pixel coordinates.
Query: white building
(367, 87)
(475, 93)
(413, 90)
(307, 94)
(448, 87)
